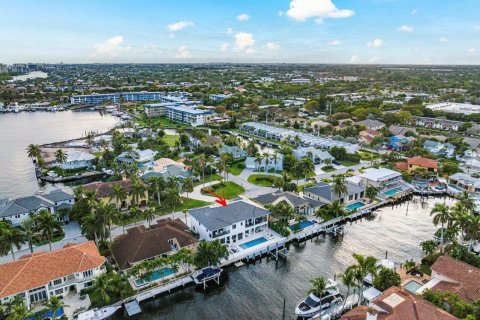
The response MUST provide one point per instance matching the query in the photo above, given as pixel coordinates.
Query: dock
(132, 307)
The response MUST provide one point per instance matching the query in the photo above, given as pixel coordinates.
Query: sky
(263, 31)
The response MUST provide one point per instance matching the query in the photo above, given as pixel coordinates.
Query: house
(301, 205)
(368, 135)
(207, 140)
(175, 170)
(435, 123)
(323, 192)
(415, 163)
(219, 97)
(450, 274)
(104, 192)
(19, 209)
(398, 303)
(372, 124)
(464, 182)
(399, 142)
(240, 219)
(380, 178)
(316, 155)
(272, 164)
(439, 149)
(75, 160)
(38, 276)
(236, 152)
(140, 243)
(140, 156)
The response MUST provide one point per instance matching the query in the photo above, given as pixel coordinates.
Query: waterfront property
(415, 163)
(140, 156)
(179, 112)
(323, 192)
(380, 178)
(19, 209)
(264, 164)
(316, 155)
(300, 205)
(96, 98)
(142, 243)
(36, 277)
(464, 182)
(240, 219)
(75, 160)
(105, 190)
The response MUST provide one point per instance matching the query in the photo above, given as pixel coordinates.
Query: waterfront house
(178, 170)
(398, 303)
(142, 243)
(236, 152)
(316, 155)
(104, 193)
(415, 163)
(300, 205)
(372, 124)
(140, 156)
(19, 209)
(452, 275)
(380, 178)
(272, 164)
(229, 224)
(465, 182)
(38, 276)
(323, 192)
(75, 160)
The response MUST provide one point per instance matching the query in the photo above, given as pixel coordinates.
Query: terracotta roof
(401, 165)
(423, 162)
(38, 269)
(465, 278)
(397, 303)
(104, 189)
(142, 243)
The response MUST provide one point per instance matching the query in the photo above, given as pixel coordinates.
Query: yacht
(98, 314)
(207, 274)
(313, 305)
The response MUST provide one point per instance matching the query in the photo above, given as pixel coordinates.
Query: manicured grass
(163, 122)
(214, 177)
(328, 169)
(67, 173)
(171, 139)
(347, 163)
(365, 155)
(56, 237)
(228, 189)
(186, 205)
(235, 170)
(261, 180)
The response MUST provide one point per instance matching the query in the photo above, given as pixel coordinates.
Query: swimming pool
(354, 206)
(302, 225)
(392, 192)
(420, 184)
(157, 274)
(454, 187)
(253, 243)
(412, 286)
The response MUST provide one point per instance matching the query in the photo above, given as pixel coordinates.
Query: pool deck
(406, 277)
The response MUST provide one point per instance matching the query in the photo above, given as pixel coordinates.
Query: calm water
(31, 75)
(18, 130)
(257, 291)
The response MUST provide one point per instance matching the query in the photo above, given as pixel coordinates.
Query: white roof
(371, 294)
(78, 156)
(379, 174)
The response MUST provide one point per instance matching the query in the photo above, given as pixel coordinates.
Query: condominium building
(3, 68)
(97, 98)
(178, 112)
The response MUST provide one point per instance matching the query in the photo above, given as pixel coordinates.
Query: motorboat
(313, 305)
(98, 314)
(207, 274)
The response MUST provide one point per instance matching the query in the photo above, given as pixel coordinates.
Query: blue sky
(304, 31)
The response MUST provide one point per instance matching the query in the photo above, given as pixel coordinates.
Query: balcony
(219, 233)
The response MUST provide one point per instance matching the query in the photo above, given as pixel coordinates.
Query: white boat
(98, 314)
(313, 305)
(207, 274)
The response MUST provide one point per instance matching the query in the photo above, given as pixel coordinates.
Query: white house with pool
(389, 182)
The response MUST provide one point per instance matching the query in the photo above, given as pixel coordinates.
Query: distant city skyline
(290, 31)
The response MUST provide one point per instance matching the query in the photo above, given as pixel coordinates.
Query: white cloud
(110, 46)
(243, 17)
(471, 50)
(180, 25)
(414, 12)
(377, 43)
(280, 13)
(355, 59)
(244, 42)
(443, 39)
(229, 31)
(405, 28)
(183, 53)
(373, 60)
(302, 10)
(335, 42)
(272, 46)
(224, 47)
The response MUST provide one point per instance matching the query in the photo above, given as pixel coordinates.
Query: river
(30, 75)
(18, 130)
(257, 291)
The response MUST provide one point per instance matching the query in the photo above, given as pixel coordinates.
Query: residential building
(439, 149)
(301, 205)
(380, 178)
(412, 164)
(207, 140)
(19, 209)
(465, 182)
(104, 193)
(76, 160)
(38, 276)
(236, 152)
(229, 224)
(398, 303)
(264, 165)
(454, 107)
(219, 97)
(435, 123)
(300, 81)
(452, 275)
(161, 239)
(175, 170)
(3, 68)
(140, 156)
(368, 135)
(399, 142)
(98, 98)
(316, 155)
(191, 116)
(323, 192)
(372, 124)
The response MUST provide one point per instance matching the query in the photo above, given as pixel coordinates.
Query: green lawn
(328, 169)
(235, 170)
(163, 122)
(228, 189)
(67, 173)
(365, 155)
(347, 163)
(214, 177)
(186, 205)
(262, 180)
(171, 139)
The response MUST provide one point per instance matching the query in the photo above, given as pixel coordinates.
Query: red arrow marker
(221, 200)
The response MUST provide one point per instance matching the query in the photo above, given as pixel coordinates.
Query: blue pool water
(354, 206)
(420, 184)
(157, 274)
(253, 243)
(302, 225)
(392, 192)
(454, 187)
(412, 286)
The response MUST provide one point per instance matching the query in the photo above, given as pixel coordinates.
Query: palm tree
(210, 161)
(54, 304)
(188, 185)
(90, 227)
(337, 209)
(123, 218)
(20, 312)
(172, 198)
(10, 237)
(119, 194)
(371, 192)
(274, 158)
(266, 156)
(33, 151)
(364, 265)
(348, 279)
(339, 186)
(202, 162)
(318, 286)
(173, 182)
(149, 215)
(308, 166)
(297, 170)
(137, 191)
(61, 158)
(107, 215)
(157, 184)
(28, 230)
(467, 202)
(473, 230)
(258, 160)
(47, 225)
(101, 285)
(459, 218)
(441, 216)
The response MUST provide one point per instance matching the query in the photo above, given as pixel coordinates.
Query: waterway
(257, 291)
(30, 75)
(18, 130)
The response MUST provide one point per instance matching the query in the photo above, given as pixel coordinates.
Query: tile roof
(22, 205)
(104, 189)
(141, 243)
(465, 278)
(422, 162)
(38, 269)
(401, 166)
(296, 200)
(58, 195)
